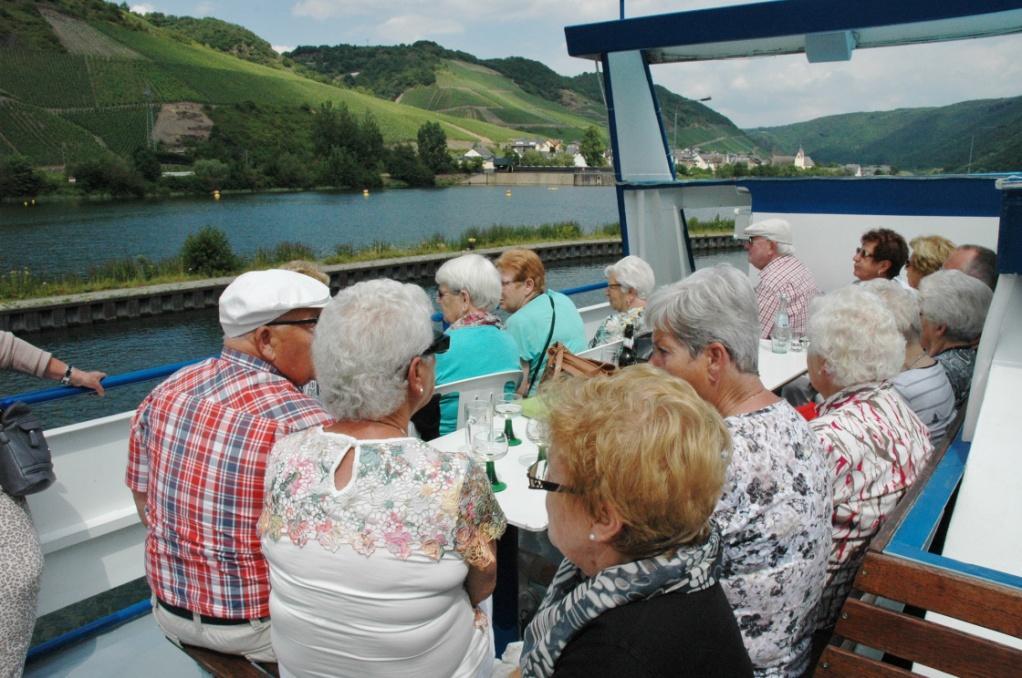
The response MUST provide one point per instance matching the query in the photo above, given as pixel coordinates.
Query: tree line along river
(66, 238)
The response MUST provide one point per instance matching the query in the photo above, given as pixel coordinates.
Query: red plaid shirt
(790, 276)
(198, 449)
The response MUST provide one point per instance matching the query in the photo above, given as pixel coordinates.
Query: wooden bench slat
(837, 661)
(972, 600)
(229, 665)
(927, 642)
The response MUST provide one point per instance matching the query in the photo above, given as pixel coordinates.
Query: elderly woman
(379, 546)
(929, 252)
(922, 382)
(468, 288)
(775, 509)
(638, 583)
(629, 282)
(871, 437)
(539, 318)
(953, 307)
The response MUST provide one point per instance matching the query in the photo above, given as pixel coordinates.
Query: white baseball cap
(257, 297)
(777, 230)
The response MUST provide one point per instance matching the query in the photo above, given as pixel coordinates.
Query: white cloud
(412, 27)
(280, 49)
(142, 9)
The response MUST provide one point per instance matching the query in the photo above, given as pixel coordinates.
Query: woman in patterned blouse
(774, 513)
(629, 282)
(379, 545)
(872, 438)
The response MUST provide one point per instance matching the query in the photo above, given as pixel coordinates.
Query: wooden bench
(229, 665)
(919, 581)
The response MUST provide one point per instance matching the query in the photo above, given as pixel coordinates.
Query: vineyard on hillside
(122, 130)
(44, 137)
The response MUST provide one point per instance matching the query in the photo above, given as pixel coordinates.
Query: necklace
(915, 362)
(393, 427)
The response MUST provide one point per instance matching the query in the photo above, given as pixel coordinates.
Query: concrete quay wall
(34, 315)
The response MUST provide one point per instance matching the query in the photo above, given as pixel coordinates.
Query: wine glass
(537, 432)
(509, 405)
(486, 444)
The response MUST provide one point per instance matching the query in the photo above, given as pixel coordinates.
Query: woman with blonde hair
(929, 252)
(630, 508)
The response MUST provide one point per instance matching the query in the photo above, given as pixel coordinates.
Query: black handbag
(25, 463)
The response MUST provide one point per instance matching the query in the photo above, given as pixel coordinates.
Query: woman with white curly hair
(873, 440)
(379, 546)
(953, 307)
(922, 382)
(468, 289)
(630, 281)
(775, 507)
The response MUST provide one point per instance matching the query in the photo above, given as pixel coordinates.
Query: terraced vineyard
(46, 138)
(122, 130)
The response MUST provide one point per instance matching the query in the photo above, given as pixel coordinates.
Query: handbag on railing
(562, 361)
(26, 466)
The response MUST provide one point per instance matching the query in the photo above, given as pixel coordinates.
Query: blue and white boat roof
(825, 30)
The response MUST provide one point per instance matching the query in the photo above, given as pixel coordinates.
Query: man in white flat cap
(771, 251)
(197, 455)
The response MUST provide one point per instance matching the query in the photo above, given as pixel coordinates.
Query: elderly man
(197, 455)
(975, 260)
(881, 254)
(770, 250)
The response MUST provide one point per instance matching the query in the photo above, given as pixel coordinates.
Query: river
(69, 238)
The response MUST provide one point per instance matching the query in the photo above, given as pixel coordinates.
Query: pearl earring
(592, 537)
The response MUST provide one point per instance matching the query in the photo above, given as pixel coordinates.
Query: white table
(523, 508)
(777, 369)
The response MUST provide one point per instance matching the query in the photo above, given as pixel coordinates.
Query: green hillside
(918, 139)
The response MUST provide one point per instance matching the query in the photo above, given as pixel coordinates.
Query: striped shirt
(789, 276)
(877, 446)
(928, 392)
(198, 449)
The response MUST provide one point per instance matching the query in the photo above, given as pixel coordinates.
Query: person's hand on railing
(88, 379)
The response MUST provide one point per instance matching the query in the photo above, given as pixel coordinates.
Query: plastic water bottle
(780, 335)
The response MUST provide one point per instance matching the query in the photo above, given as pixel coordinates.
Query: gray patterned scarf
(573, 600)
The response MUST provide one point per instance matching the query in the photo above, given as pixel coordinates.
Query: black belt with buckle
(185, 613)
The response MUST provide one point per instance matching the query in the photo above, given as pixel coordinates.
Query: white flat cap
(777, 230)
(257, 297)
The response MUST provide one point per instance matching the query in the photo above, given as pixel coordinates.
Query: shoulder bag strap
(534, 367)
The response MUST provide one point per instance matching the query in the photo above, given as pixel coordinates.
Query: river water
(64, 238)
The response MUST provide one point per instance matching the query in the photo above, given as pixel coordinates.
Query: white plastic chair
(478, 388)
(605, 352)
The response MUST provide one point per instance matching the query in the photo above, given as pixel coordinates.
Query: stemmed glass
(486, 444)
(509, 405)
(537, 431)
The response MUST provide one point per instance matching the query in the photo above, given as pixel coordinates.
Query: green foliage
(282, 252)
(18, 179)
(46, 78)
(592, 148)
(531, 76)
(220, 35)
(208, 252)
(404, 165)
(211, 173)
(121, 129)
(108, 175)
(433, 148)
(146, 163)
(23, 28)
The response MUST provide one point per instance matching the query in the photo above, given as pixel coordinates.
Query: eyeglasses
(863, 253)
(441, 342)
(505, 283)
(299, 321)
(614, 286)
(537, 478)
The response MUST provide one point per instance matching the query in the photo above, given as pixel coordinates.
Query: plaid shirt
(789, 276)
(198, 449)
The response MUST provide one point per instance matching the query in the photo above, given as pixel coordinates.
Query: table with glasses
(777, 369)
(524, 509)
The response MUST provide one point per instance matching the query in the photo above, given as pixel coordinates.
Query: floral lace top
(958, 363)
(774, 516)
(613, 326)
(404, 496)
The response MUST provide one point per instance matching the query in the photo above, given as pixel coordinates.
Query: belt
(185, 613)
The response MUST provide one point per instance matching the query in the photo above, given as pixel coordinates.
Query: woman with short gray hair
(468, 288)
(774, 513)
(953, 307)
(871, 438)
(380, 546)
(922, 382)
(630, 281)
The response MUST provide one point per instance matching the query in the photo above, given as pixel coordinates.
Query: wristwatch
(66, 379)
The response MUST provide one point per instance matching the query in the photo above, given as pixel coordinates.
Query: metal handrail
(128, 378)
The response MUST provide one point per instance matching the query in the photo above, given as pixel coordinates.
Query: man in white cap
(770, 250)
(197, 456)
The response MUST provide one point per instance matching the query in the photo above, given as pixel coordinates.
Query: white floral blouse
(404, 496)
(774, 516)
(613, 326)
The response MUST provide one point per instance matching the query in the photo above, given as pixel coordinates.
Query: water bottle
(627, 355)
(780, 335)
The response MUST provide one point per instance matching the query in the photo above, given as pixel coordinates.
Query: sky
(752, 92)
